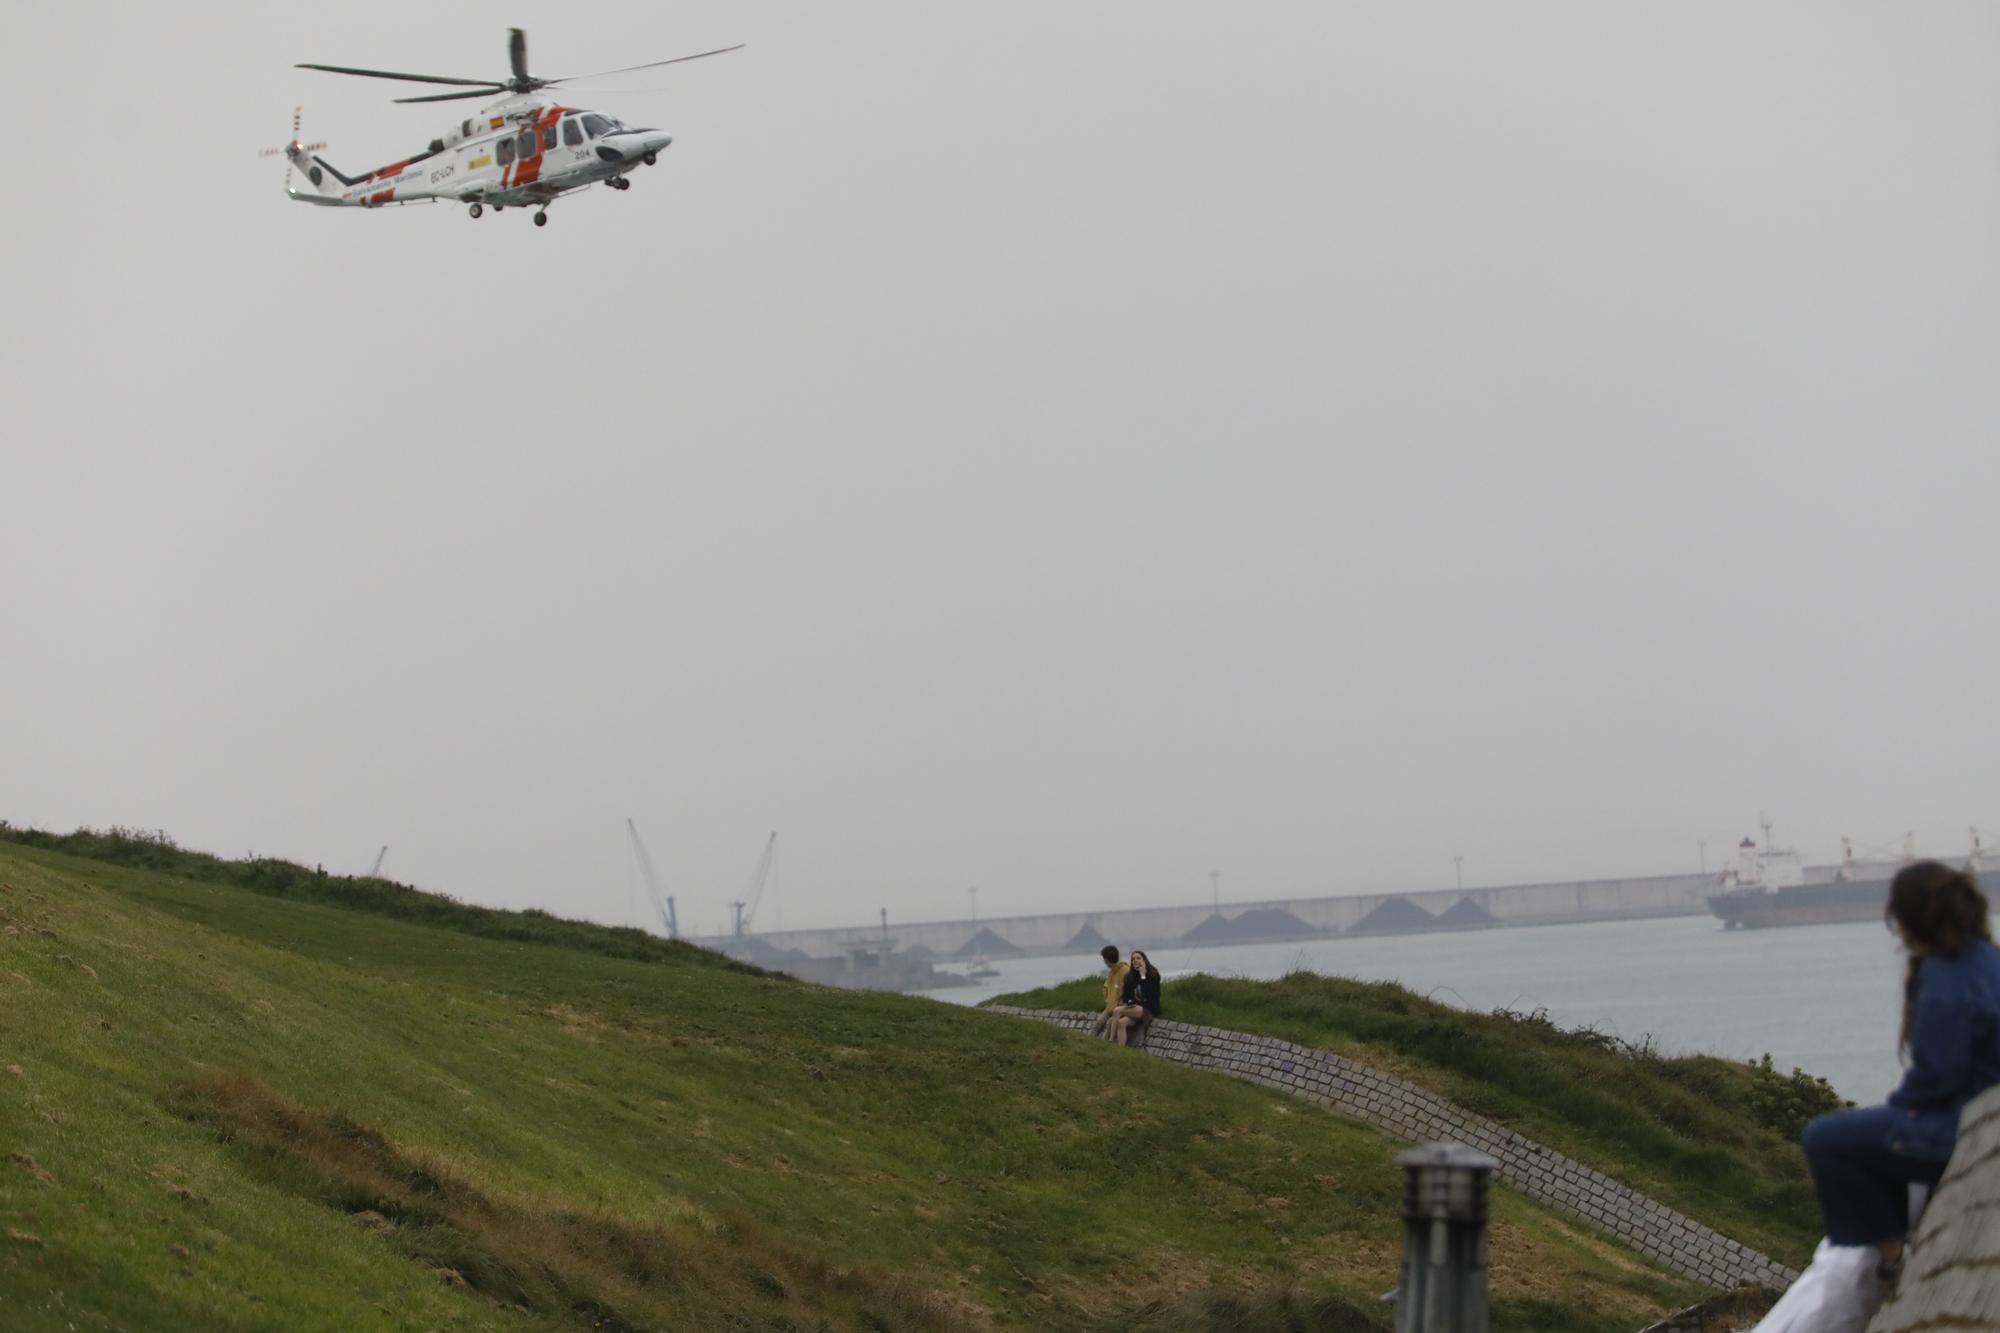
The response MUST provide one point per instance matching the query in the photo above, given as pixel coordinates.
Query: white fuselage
(517, 153)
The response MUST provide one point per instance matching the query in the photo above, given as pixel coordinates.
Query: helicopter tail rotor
(297, 153)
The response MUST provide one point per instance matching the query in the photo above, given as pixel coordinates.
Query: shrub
(1785, 1104)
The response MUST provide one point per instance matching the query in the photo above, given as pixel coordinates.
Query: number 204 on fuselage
(522, 151)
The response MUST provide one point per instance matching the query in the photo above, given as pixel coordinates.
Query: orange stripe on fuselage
(529, 169)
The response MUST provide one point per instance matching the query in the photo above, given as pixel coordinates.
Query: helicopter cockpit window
(572, 131)
(503, 152)
(595, 125)
(524, 145)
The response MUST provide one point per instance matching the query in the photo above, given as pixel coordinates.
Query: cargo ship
(1802, 904)
(1767, 887)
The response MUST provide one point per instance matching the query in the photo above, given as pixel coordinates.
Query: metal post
(1444, 1239)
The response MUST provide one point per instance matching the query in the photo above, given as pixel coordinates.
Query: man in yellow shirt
(1114, 989)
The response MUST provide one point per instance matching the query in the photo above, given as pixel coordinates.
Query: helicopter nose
(642, 145)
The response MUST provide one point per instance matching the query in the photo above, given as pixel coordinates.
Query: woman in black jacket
(1142, 999)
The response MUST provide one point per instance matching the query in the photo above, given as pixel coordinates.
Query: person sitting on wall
(1140, 999)
(1864, 1161)
(1114, 990)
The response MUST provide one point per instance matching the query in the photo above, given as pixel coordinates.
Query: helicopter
(523, 151)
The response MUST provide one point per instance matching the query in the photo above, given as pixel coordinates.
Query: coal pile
(1396, 916)
(753, 950)
(1259, 923)
(986, 943)
(1086, 940)
(1465, 914)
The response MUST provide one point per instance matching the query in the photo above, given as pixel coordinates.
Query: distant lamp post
(1445, 1189)
(1458, 870)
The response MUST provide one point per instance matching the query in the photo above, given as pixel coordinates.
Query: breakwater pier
(1263, 921)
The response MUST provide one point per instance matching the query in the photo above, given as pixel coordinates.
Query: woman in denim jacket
(1864, 1161)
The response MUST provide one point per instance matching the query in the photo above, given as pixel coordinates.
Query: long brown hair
(1939, 911)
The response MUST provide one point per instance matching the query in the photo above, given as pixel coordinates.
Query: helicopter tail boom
(317, 169)
(337, 173)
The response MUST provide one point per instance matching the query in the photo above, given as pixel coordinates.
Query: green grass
(1715, 1139)
(228, 1109)
(273, 876)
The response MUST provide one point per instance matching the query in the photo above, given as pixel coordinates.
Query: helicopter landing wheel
(542, 218)
(476, 210)
(651, 160)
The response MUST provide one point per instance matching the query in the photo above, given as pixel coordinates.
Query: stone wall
(1951, 1276)
(1409, 1112)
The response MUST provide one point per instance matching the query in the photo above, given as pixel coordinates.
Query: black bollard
(1444, 1239)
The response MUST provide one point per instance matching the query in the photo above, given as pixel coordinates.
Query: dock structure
(1056, 933)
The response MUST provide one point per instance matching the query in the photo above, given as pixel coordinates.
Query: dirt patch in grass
(1281, 1311)
(35, 1169)
(588, 1269)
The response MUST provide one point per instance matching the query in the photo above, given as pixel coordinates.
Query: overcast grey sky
(1064, 449)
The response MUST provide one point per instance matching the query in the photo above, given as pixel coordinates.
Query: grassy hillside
(153, 850)
(226, 1109)
(1716, 1139)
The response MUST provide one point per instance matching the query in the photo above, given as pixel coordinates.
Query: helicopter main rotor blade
(699, 55)
(517, 51)
(487, 91)
(410, 78)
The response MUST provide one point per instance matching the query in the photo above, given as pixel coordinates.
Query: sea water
(1826, 999)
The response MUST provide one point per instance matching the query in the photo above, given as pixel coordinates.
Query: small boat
(979, 969)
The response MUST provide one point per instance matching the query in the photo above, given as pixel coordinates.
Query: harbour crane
(747, 909)
(663, 904)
